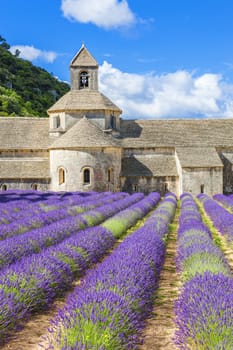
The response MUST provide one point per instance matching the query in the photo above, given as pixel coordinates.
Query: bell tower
(84, 71)
(84, 99)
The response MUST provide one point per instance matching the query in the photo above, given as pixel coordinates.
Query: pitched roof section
(84, 134)
(198, 157)
(180, 132)
(228, 156)
(149, 165)
(25, 168)
(83, 58)
(84, 99)
(24, 133)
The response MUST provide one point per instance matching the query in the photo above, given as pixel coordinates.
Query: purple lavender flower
(14, 248)
(221, 218)
(204, 313)
(204, 308)
(34, 281)
(108, 309)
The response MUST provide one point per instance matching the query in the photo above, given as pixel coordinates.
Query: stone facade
(202, 180)
(84, 145)
(227, 160)
(74, 162)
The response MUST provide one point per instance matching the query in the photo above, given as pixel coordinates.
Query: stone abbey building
(85, 145)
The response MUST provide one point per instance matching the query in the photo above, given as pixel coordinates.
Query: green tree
(37, 88)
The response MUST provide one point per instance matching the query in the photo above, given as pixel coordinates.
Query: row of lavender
(14, 248)
(34, 281)
(221, 217)
(226, 201)
(204, 309)
(35, 218)
(109, 308)
(17, 204)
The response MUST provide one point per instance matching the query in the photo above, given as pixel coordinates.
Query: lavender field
(102, 258)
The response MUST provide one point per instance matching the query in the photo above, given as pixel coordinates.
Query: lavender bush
(108, 309)
(32, 283)
(45, 218)
(14, 248)
(118, 223)
(21, 205)
(204, 308)
(220, 217)
(204, 313)
(227, 201)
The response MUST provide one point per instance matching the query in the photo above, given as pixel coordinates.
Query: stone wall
(67, 120)
(25, 184)
(180, 174)
(74, 162)
(92, 77)
(101, 118)
(149, 151)
(206, 180)
(227, 172)
(146, 185)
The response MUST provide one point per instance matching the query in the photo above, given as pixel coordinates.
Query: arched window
(83, 80)
(86, 176)
(110, 174)
(61, 176)
(4, 187)
(34, 187)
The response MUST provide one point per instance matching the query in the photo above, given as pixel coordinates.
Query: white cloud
(174, 95)
(103, 13)
(31, 53)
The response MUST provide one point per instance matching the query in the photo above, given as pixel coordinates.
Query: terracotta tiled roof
(84, 134)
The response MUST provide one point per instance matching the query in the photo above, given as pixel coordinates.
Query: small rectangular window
(58, 123)
(202, 188)
(110, 175)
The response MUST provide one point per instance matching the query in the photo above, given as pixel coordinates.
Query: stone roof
(24, 133)
(84, 99)
(149, 165)
(33, 133)
(198, 157)
(180, 132)
(26, 168)
(83, 58)
(228, 156)
(84, 134)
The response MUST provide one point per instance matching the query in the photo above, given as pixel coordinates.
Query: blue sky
(158, 58)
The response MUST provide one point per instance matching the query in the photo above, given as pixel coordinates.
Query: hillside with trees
(25, 90)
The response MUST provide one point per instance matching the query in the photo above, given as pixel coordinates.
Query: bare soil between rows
(160, 329)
